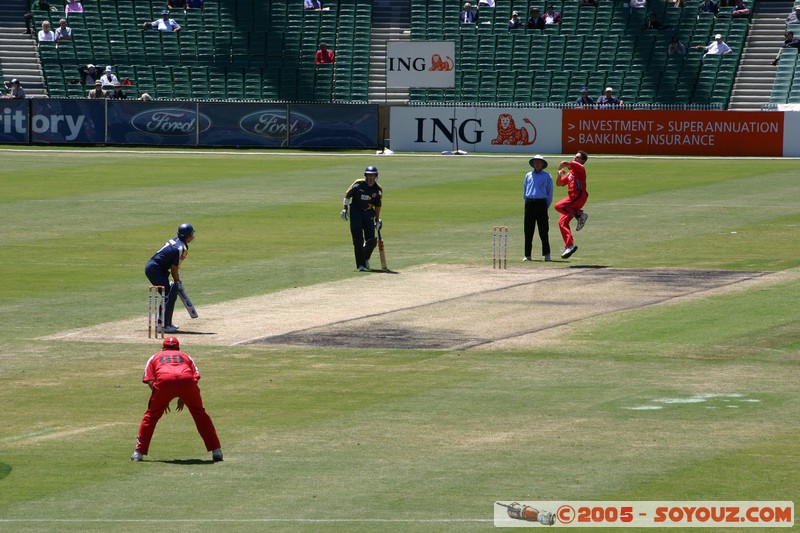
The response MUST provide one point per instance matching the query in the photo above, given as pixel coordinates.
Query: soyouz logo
(273, 124)
(170, 122)
(618, 514)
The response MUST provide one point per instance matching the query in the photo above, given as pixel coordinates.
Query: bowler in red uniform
(170, 374)
(573, 174)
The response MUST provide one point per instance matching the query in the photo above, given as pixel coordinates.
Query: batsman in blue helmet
(364, 197)
(165, 262)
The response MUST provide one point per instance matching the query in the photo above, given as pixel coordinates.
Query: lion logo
(509, 133)
(439, 64)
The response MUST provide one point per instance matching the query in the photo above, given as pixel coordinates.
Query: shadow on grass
(587, 266)
(186, 461)
(5, 469)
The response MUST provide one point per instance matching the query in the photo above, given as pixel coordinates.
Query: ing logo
(439, 64)
(509, 133)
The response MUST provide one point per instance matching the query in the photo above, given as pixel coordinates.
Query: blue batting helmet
(371, 170)
(185, 230)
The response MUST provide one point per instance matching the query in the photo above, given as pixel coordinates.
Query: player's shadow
(588, 266)
(383, 271)
(186, 461)
(184, 332)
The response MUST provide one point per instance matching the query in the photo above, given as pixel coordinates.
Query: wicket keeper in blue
(165, 262)
(364, 198)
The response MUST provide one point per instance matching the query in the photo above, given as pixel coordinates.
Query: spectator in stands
(164, 24)
(589, 3)
(486, 3)
(117, 94)
(15, 90)
(584, 100)
(28, 23)
(37, 5)
(740, 10)
(42, 5)
(716, 47)
(194, 4)
(676, 48)
(46, 34)
(108, 78)
(608, 100)
(790, 42)
(63, 32)
(652, 22)
(89, 74)
(551, 16)
(312, 5)
(536, 22)
(708, 7)
(145, 97)
(176, 4)
(637, 4)
(515, 22)
(73, 6)
(468, 16)
(98, 91)
(794, 16)
(324, 56)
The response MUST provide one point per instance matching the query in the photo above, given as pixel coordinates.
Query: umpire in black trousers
(537, 189)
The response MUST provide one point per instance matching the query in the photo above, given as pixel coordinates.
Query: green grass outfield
(387, 440)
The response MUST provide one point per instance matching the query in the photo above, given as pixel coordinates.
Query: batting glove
(343, 214)
(378, 224)
(177, 285)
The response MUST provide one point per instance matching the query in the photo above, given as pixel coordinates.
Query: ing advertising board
(420, 64)
(702, 133)
(476, 129)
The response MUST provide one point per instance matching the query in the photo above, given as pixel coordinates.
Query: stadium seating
(232, 49)
(255, 49)
(594, 47)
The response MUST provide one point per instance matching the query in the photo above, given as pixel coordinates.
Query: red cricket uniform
(173, 374)
(571, 206)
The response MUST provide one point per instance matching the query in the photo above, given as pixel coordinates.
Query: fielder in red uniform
(572, 206)
(170, 374)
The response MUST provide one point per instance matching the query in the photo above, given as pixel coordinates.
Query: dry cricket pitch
(436, 306)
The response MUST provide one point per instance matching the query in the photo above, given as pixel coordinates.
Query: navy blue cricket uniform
(158, 270)
(365, 203)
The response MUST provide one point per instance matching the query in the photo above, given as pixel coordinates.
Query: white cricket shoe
(216, 455)
(136, 456)
(362, 268)
(569, 251)
(171, 329)
(526, 258)
(581, 221)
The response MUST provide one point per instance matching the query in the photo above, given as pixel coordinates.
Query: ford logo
(272, 123)
(170, 122)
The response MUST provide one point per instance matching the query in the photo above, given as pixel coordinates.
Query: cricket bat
(187, 303)
(381, 251)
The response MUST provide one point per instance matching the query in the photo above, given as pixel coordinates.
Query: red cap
(171, 343)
